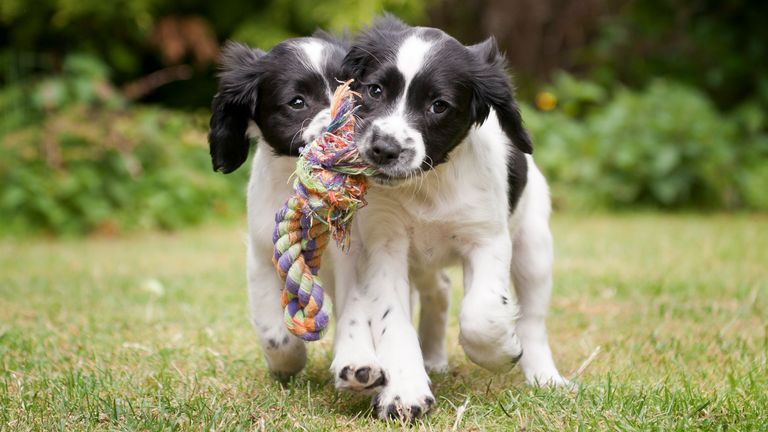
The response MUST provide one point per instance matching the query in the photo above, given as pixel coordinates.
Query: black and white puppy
(455, 184)
(281, 97)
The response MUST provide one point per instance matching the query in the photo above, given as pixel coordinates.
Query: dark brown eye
(438, 107)
(375, 91)
(297, 103)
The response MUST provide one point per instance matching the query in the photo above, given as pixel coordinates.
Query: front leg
(355, 366)
(434, 288)
(488, 310)
(532, 275)
(285, 354)
(385, 282)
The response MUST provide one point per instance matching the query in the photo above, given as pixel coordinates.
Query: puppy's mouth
(382, 179)
(392, 178)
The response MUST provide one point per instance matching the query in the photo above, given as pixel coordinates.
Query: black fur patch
(380, 382)
(344, 372)
(517, 176)
(362, 374)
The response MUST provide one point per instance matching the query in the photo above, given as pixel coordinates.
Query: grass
(149, 333)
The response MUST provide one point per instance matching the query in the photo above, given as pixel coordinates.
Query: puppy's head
(422, 91)
(285, 92)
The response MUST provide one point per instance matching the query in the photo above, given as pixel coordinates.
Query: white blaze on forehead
(313, 60)
(313, 51)
(411, 57)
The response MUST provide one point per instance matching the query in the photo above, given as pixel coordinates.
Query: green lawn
(149, 332)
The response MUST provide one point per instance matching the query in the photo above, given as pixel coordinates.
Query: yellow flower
(546, 101)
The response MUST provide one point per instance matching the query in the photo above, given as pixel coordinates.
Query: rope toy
(329, 187)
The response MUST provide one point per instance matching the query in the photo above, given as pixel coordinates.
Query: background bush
(665, 146)
(78, 159)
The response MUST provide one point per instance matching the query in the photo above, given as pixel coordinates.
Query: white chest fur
(268, 188)
(447, 210)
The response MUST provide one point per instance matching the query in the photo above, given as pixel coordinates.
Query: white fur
(434, 289)
(313, 55)
(267, 189)
(316, 126)
(313, 58)
(532, 276)
(411, 58)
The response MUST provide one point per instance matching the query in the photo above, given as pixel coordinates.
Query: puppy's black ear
(492, 89)
(385, 28)
(233, 106)
(354, 64)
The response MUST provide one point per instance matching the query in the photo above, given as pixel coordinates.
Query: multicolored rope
(328, 189)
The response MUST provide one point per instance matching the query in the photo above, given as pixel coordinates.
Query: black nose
(384, 149)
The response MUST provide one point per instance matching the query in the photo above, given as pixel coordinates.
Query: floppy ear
(354, 64)
(492, 89)
(361, 54)
(233, 106)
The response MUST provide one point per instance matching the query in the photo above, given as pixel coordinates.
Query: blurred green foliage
(663, 146)
(76, 159)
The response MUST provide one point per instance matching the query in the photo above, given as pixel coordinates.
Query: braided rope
(328, 189)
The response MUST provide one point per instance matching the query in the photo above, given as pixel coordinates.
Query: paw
(316, 126)
(362, 379)
(549, 379)
(495, 354)
(284, 353)
(488, 333)
(405, 403)
(539, 368)
(436, 364)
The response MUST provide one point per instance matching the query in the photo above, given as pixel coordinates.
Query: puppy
(282, 98)
(456, 184)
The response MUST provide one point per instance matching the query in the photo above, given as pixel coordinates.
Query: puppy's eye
(438, 107)
(375, 91)
(297, 103)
